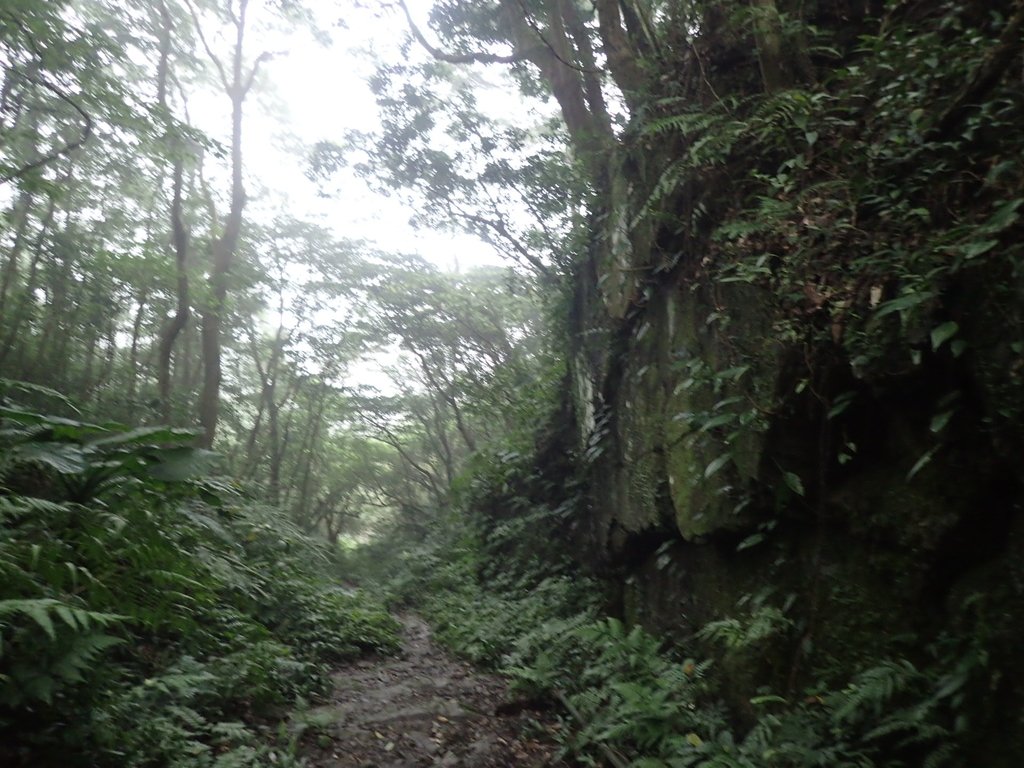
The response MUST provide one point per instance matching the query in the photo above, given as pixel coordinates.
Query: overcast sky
(316, 93)
(311, 93)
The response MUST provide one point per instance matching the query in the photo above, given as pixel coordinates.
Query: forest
(396, 383)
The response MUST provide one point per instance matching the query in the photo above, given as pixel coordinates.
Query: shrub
(149, 613)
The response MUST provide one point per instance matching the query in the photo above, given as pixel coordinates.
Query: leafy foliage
(624, 692)
(855, 182)
(820, 225)
(151, 603)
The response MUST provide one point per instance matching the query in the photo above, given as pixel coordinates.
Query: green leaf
(36, 610)
(717, 464)
(922, 462)
(751, 541)
(977, 248)
(67, 615)
(36, 389)
(718, 421)
(940, 421)
(735, 373)
(901, 303)
(64, 458)
(794, 482)
(1005, 216)
(22, 417)
(175, 465)
(944, 333)
(30, 417)
(841, 403)
(769, 699)
(149, 435)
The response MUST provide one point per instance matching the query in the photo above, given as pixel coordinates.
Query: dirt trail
(422, 708)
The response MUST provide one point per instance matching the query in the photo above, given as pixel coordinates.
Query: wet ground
(424, 708)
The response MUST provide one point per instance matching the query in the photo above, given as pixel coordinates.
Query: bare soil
(424, 708)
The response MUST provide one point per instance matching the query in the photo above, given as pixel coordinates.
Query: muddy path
(424, 708)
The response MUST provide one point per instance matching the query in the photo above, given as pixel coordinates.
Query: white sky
(316, 93)
(311, 93)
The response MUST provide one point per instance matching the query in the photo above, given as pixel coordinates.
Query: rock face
(836, 442)
(719, 481)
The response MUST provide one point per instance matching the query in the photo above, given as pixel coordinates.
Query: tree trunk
(179, 233)
(172, 330)
(19, 224)
(92, 342)
(107, 370)
(133, 354)
(622, 60)
(552, 54)
(768, 36)
(308, 454)
(25, 299)
(225, 247)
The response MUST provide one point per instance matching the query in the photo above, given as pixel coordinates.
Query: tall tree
(180, 235)
(236, 77)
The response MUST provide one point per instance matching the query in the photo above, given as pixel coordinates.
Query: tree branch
(206, 46)
(265, 56)
(484, 225)
(71, 146)
(562, 57)
(590, 137)
(585, 51)
(478, 57)
(621, 57)
(986, 76)
(389, 438)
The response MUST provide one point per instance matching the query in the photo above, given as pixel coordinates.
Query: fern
(666, 185)
(685, 123)
(14, 507)
(40, 610)
(872, 689)
(763, 623)
(111, 544)
(68, 647)
(942, 755)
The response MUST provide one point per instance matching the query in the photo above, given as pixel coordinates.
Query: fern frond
(942, 755)
(39, 611)
(871, 689)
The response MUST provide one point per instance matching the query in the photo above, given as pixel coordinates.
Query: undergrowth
(150, 614)
(629, 699)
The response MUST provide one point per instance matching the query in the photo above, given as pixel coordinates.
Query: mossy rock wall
(865, 563)
(797, 355)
